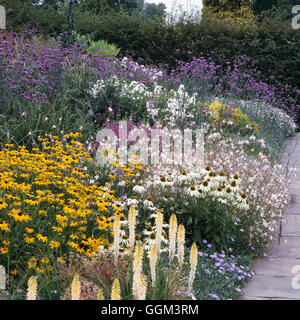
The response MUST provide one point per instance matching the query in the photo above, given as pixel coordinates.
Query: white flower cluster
(179, 105)
(169, 105)
(102, 84)
(203, 184)
(153, 74)
(264, 113)
(265, 184)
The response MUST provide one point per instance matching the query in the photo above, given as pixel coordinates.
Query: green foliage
(230, 118)
(94, 6)
(271, 43)
(154, 11)
(259, 6)
(103, 48)
(227, 4)
(220, 276)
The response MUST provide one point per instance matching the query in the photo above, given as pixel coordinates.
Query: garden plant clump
(74, 228)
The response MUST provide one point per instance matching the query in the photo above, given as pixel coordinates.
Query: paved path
(273, 279)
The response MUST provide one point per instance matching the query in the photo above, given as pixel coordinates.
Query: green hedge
(273, 45)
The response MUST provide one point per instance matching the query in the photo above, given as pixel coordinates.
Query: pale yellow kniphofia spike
(116, 291)
(172, 236)
(131, 226)
(180, 244)
(100, 295)
(141, 287)
(116, 230)
(193, 265)
(137, 266)
(153, 261)
(32, 288)
(76, 288)
(159, 220)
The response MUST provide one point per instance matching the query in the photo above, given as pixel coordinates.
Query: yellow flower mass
(47, 201)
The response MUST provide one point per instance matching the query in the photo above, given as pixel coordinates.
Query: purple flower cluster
(33, 70)
(222, 274)
(239, 79)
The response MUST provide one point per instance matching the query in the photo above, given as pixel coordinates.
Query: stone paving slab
(268, 298)
(276, 266)
(289, 247)
(293, 190)
(291, 228)
(265, 286)
(273, 279)
(292, 209)
(296, 198)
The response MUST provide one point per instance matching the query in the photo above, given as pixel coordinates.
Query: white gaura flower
(252, 138)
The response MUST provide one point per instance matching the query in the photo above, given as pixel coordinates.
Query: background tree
(259, 6)
(227, 5)
(154, 11)
(128, 5)
(281, 8)
(95, 6)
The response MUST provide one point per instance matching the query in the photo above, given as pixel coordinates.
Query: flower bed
(65, 218)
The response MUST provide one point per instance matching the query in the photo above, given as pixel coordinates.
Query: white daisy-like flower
(223, 201)
(204, 186)
(130, 202)
(183, 176)
(148, 203)
(192, 191)
(139, 188)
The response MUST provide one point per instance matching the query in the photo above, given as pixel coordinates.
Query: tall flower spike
(142, 287)
(137, 267)
(159, 219)
(32, 288)
(116, 230)
(131, 225)
(193, 265)
(76, 288)
(172, 236)
(100, 295)
(2, 279)
(153, 261)
(180, 244)
(116, 291)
